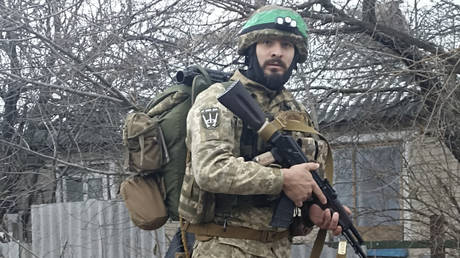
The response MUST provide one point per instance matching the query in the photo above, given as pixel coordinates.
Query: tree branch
(52, 44)
(102, 172)
(386, 34)
(353, 91)
(82, 93)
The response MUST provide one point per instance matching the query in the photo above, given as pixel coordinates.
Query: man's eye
(287, 44)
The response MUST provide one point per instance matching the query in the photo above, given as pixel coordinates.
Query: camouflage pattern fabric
(300, 41)
(213, 138)
(225, 247)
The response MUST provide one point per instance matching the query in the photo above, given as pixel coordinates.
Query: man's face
(275, 55)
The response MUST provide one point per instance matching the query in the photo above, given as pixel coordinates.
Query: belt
(215, 230)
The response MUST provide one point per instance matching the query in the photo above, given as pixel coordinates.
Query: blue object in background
(397, 252)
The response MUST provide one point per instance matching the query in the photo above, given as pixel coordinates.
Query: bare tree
(70, 70)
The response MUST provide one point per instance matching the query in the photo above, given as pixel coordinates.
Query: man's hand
(299, 184)
(324, 219)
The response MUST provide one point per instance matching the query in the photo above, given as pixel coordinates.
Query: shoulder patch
(210, 117)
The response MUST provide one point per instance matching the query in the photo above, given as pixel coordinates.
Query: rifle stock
(287, 153)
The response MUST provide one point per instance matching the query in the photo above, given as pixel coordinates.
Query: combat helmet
(270, 21)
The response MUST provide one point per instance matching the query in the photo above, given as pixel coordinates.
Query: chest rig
(252, 146)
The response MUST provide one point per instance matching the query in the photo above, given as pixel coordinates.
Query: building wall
(429, 184)
(432, 188)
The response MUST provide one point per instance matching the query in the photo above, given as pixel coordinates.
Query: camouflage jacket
(216, 163)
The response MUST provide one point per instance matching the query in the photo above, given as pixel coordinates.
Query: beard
(275, 81)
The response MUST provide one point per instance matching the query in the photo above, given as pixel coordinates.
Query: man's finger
(326, 220)
(317, 191)
(347, 210)
(337, 231)
(312, 166)
(334, 220)
(299, 204)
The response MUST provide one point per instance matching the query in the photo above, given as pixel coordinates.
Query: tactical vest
(198, 206)
(251, 146)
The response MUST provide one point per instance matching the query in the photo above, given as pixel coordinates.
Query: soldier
(227, 199)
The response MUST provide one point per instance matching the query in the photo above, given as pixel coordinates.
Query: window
(367, 180)
(75, 185)
(95, 188)
(74, 189)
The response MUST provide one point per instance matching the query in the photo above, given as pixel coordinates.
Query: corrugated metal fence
(91, 229)
(102, 229)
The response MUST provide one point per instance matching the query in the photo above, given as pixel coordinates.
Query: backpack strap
(199, 84)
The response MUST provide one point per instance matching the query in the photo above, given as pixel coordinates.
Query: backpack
(154, 140)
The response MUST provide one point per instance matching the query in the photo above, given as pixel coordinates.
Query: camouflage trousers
(229, 247)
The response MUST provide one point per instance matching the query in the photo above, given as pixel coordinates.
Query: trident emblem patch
(210, 117)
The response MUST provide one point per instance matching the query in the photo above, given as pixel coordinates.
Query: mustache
(275, 61)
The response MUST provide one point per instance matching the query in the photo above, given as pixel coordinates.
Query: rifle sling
(319, 243)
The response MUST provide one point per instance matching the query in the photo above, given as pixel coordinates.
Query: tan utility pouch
(144, 142)
(144, 198)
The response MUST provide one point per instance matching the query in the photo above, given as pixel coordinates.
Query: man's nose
(276, 50)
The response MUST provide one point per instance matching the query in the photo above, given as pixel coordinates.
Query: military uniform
(245, 191)
(227, 199)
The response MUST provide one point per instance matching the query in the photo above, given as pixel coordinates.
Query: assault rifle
(287, 153)
(186, 76)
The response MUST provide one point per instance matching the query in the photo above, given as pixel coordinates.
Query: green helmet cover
(275, 21)
(267, 18)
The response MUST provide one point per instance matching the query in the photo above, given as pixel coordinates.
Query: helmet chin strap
(256, 73)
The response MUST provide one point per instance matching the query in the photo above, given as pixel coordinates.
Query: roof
(364, 108)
